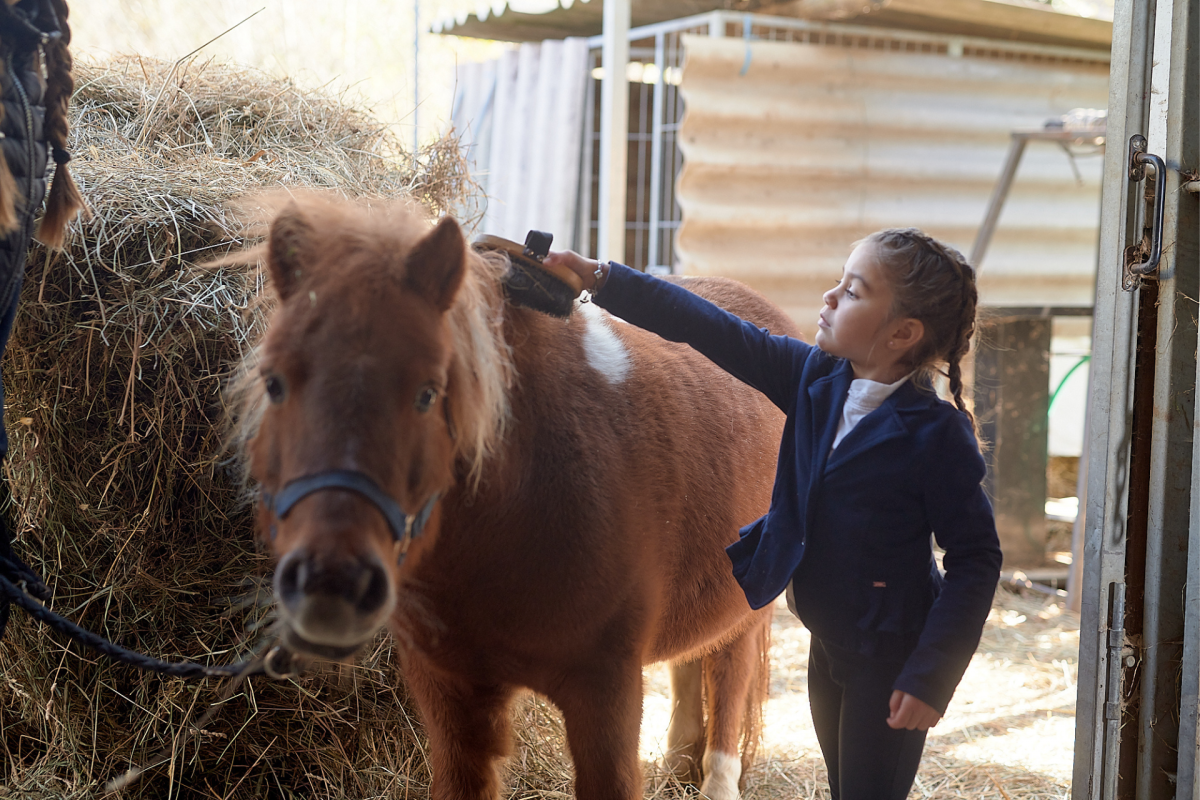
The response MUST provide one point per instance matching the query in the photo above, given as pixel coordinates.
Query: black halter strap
(404, 526)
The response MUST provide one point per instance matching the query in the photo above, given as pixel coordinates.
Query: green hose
(1064, 380)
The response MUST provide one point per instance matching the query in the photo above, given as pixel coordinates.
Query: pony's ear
(435, 267)
(289, 237)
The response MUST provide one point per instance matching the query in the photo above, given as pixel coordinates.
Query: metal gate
(1139, 660)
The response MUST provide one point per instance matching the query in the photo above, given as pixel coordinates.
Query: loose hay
(125, 500)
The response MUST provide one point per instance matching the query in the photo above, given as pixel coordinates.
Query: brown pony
(525, 501)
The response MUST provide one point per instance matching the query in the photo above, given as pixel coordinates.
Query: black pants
(7, 557)
(7, 316)
(849, 694)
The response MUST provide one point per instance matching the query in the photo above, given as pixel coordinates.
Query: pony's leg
(468, 729)
(736, 679)
(602, 711)
(685, 734)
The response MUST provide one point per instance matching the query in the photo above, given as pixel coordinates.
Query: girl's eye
(851, 295)
(426, 398)
(274, 387)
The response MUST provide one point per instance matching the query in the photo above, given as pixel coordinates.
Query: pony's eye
(426, 398)
(274, 387)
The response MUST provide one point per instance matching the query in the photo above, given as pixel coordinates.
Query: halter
(404, 526)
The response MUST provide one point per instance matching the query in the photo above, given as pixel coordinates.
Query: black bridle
(404, 526)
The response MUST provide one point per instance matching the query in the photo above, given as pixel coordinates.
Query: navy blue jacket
(850, 529)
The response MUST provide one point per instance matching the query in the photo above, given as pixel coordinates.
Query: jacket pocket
(895, 608)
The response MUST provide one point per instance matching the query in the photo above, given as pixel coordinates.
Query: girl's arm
(753, 355)
(963, 524)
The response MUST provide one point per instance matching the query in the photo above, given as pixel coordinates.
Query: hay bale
(124, 499)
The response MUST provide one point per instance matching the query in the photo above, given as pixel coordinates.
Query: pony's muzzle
(331, 608)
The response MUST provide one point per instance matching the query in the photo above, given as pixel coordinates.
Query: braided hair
(49, 27)
(931, 282)
(64, 200)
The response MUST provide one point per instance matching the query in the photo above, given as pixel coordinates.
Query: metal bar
(672, 156)
(656, 148)
(1110, 403)
(1011, 163)
(716, 21)
(1013, 160)
(1171, 132)
(1188, 777)
(614, 131)
(645, 102)
(1112, 697)
(716, 25)
(583, 239)
(416, 145)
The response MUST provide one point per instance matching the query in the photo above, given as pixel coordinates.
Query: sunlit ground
(1009, 732)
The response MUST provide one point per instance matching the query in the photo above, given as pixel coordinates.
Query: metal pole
(583, 237)
(654, 256)
(614, 131)
(999, 194)
(1171, 134)
(416, 140)
(1189, 716)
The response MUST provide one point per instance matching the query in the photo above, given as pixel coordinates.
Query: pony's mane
(481, 368)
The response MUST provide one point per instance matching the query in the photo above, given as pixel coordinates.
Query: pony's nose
(360, 583)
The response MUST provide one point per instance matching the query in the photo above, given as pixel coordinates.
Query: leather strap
(402, 524)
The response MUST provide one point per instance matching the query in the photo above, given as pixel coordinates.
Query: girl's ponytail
(64, 200)
(932, 282)
(966, 329)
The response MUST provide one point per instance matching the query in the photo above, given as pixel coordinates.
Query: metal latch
(1150, 245)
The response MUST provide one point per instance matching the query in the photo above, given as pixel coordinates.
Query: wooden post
(1012, 400)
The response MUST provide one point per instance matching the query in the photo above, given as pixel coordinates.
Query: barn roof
(1014, 20)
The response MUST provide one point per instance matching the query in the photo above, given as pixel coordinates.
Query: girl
(871, 463)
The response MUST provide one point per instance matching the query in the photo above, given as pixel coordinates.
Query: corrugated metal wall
(793, 150)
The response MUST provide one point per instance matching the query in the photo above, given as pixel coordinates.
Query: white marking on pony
(604, 351)
(721, 774)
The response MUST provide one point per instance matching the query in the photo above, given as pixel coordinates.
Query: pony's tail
(756, 696)
(64, 201)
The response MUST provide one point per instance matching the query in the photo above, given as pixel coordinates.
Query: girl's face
(855, 323)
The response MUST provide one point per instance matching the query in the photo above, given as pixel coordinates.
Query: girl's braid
(64, 200)
(932, 282)
(9, 194)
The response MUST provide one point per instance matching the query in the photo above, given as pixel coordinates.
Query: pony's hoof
(682, 765)
(722, 772)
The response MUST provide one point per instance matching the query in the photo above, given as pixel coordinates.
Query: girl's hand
(585, 268)
(911, 713)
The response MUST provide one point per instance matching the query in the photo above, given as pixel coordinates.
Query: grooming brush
(529, 282)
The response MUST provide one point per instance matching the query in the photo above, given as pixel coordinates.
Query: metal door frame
(1138, 662)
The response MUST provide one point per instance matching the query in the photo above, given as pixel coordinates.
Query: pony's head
(363, 411)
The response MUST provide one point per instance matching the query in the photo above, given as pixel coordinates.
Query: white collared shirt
(865, 396)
